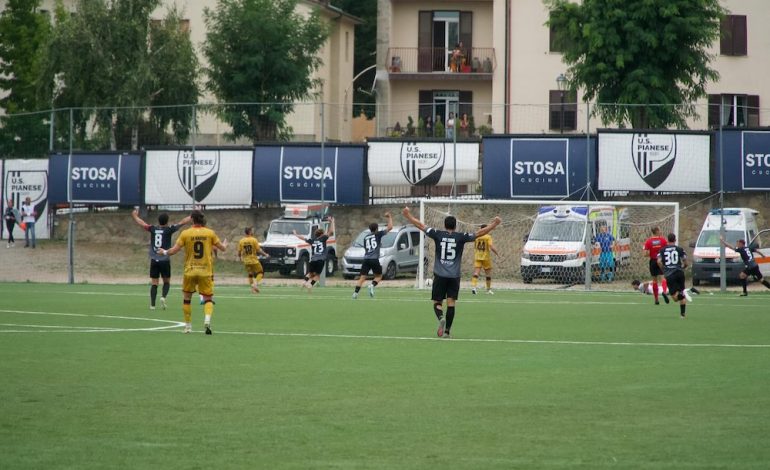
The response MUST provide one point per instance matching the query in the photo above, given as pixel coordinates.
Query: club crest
(654, 156)
(23, 184)
(422, 162)
(198, 174)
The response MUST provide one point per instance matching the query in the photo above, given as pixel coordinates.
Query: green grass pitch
(90, 378)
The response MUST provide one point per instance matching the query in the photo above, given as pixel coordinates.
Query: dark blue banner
(536, 166)
(298, 173)
(746, 160)
(95, 178)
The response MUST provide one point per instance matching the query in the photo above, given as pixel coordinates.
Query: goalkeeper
(484, 248)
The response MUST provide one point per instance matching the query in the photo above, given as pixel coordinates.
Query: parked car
(399, 253)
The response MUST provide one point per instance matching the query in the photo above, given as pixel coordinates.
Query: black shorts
(316, 267)
(675, 282)
(753, 272)
(372, 265)
(654, 268)
(445, 288)
(160, 269)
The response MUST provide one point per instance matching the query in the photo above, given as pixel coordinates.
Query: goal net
(548, 244)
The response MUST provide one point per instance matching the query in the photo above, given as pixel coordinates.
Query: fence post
(722, 261)
(322, 283)
(192, 142)
(71, 224)
(51, 130)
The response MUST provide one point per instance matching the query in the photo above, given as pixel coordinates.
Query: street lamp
(561, 84)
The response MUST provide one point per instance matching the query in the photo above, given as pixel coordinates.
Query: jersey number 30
(672, 258)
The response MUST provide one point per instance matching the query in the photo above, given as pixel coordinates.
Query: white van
(740, 224)
(555, 246)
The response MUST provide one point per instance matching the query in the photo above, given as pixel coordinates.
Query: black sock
(682, 308)
(744, 283)
(437, 310)
(312, 283)
(374, 283)
(153, 294)
(166, 287)
(358, 288)
(765, 283)
(450, 316)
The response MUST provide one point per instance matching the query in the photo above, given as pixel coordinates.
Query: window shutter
(752, 103)
(424, 41)
(740, 30)
(726, 35)
(466, 104)
(426, 104)
(554, 108)
(715, 102)
(466, 33)
(570, 110)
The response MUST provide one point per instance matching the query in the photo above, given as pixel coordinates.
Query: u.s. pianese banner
(646, 161)
(206, 175)
(422, 163)
(28, 179)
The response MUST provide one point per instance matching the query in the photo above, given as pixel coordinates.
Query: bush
(440, 131)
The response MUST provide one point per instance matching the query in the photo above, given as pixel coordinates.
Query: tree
(648, 53)
(115, 63)
(24, 32)
(364, 55)
(261, 52)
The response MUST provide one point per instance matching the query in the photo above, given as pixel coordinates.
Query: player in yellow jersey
(483, 259)
(248, 249)
(198, 242)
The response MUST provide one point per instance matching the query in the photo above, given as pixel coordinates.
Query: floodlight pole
(71, 224)
(322, 282)
(722, 261)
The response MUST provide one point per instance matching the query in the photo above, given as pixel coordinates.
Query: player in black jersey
(160, 265)
(750, 266)
(371, 261)
(672, 260)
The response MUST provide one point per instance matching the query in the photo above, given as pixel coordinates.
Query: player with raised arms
(160, 266)
(198, 242)
(483, 259)
(449, 246)
(371, 262)
(248, 251)
(652, 246)
(750, 266)
(317, 254)
(672, 260)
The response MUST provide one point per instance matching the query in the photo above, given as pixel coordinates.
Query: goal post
(547, 244)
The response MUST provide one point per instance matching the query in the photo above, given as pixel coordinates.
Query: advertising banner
(422, 163)
(642, 161)
(536, 166)
(299, 172)
(24, 179)
(214, 176)
(755, 160)
(96, 178)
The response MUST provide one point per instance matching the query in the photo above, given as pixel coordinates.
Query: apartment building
(475, 56)
(336, 71)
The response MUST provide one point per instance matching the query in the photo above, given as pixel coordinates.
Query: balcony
(420, 63)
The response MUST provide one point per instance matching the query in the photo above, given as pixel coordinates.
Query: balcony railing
(411, 60)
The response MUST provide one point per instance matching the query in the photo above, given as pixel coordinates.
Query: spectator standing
(28, 217)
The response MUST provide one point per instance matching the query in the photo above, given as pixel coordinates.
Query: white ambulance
(556, 245)
(740, 224)
(289, 253)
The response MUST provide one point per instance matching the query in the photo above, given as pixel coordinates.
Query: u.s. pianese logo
(654, 156)
(32, 184)
(422, 163)
(198, 175)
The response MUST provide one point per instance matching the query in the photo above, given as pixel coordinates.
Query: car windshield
(387, 240)
(285, 227)
(710, 238)
(557, 230)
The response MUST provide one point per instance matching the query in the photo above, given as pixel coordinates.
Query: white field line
(83, 329)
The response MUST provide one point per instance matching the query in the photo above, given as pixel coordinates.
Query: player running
(672, 260)
(483, 259)
(647, 288)
(446, 267)
(372, 242)
(248, 251)
(750, 266)
(317, 254)
(198, 242)
(160, 266)
(652, 246)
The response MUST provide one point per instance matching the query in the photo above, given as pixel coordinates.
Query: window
(733, 110)
(562, 115)
(402, 240)
(415, 236)
(733, 36)
(438, 32)
(556, 42)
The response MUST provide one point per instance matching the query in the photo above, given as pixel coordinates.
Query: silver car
(399, 253)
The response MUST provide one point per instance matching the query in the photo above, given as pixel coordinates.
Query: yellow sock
(474, 281)
(260, 276)
(489, 283)
(208, 310)
(187, 310)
